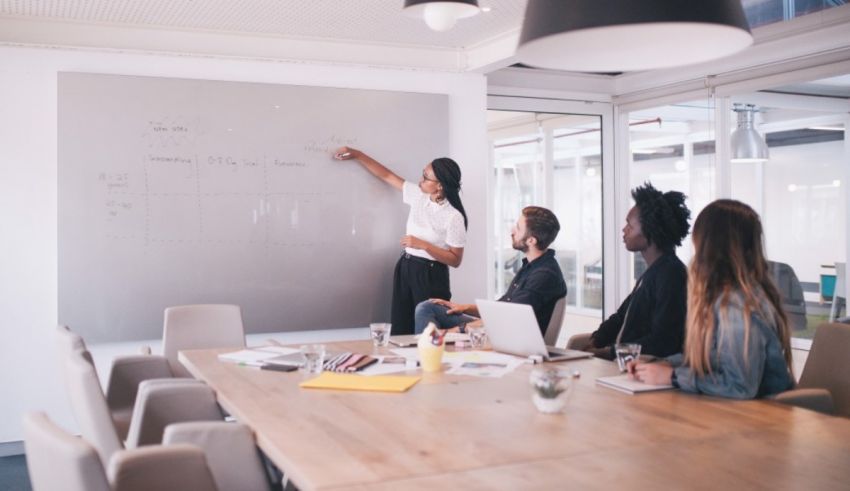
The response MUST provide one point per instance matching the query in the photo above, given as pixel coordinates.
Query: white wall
(29, 376)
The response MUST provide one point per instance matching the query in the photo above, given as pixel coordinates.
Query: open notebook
(625, 383)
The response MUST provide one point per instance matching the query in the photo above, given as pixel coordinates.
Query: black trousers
(416, 279)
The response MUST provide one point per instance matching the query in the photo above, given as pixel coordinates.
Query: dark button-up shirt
(539, 283)
(656, 311)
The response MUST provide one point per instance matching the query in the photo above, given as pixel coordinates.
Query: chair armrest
(127, 373)
(230, 451)
(579, 341)
(815, 399)
(160, 467)
(161, 404)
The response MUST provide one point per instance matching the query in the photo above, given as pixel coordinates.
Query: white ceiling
(362, 21)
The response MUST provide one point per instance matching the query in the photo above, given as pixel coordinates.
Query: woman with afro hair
(653, 315)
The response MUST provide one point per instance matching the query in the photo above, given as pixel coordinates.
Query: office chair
(553, 330)
(167, 413)
(825, 382)
(839, 297)
(791, 293)
(59, 461)
(579, 341)
(125, 375)
(157, 406)
(200, 327)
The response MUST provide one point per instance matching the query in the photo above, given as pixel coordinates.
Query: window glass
(672, 147)
(800, 194)
(551, 160)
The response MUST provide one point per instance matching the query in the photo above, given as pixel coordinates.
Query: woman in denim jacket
(737, 337)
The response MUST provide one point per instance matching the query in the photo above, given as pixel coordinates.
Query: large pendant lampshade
(628, 35)
(441, 15)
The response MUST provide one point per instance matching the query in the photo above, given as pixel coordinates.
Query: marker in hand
(343, 155)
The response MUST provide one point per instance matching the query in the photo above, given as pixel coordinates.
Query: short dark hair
(663, 216)
(542, 224)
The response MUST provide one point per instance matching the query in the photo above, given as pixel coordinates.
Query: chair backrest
(57, 460)
(89, 405)
(553, 330)
(840, 280)
(828, 366)
(791, 292)
(68, 341)
(200, 327)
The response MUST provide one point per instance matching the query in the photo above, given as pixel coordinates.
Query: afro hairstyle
(663, 216)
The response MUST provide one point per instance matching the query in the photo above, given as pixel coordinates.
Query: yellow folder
(346, 381)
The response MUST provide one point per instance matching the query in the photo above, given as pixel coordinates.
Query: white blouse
(438, 223)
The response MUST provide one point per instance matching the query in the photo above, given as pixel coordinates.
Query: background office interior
(575, 142)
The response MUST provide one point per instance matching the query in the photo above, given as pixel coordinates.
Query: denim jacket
(759, 372)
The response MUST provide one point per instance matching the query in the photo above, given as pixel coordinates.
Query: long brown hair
(729, 257)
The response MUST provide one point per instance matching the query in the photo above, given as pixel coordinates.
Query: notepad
(625, 383)
(377, 383)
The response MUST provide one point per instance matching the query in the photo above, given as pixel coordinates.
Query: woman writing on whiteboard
(435, 235)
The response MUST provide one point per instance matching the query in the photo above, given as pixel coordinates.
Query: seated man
(654, 314)
(538, 283)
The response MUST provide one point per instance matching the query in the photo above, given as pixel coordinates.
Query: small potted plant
(551, 388)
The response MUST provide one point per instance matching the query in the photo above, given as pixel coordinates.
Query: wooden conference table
(475, 433)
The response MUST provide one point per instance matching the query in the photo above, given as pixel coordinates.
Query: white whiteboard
(179, 191)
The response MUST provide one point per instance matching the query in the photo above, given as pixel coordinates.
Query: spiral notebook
(625, 383)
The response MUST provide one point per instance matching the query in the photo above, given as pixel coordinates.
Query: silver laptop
(512, 328)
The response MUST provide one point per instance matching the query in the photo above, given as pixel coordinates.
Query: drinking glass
(626, 352)
(551, 388)
(380, 332)
(477, 336)
(314, 358)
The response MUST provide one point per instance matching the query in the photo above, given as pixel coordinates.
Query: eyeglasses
(426, 178)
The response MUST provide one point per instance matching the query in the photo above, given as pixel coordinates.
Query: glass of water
(380, 332)
(626, 352)
(314, 358)
(477, 336)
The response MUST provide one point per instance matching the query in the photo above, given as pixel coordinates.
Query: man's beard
(520, 245)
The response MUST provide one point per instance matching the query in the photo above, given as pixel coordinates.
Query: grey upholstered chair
(791, 292)
(125, 376)
(59, 461)
(579, 341)
(167, 413)
(839, 296)
(200, 327)
(553, 330)
(825, 382)
(157, 406)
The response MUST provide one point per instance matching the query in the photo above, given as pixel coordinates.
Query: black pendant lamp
(441, 15)
(628, 35)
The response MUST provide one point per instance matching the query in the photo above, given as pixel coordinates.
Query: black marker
(279, 368)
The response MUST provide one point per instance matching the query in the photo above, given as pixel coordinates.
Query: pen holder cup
(431, 357)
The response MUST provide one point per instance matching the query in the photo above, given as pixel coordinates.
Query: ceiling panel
(363, 21)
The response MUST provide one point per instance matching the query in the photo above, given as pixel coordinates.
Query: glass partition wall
(555, 161)
(797, 183)
(799, 189)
